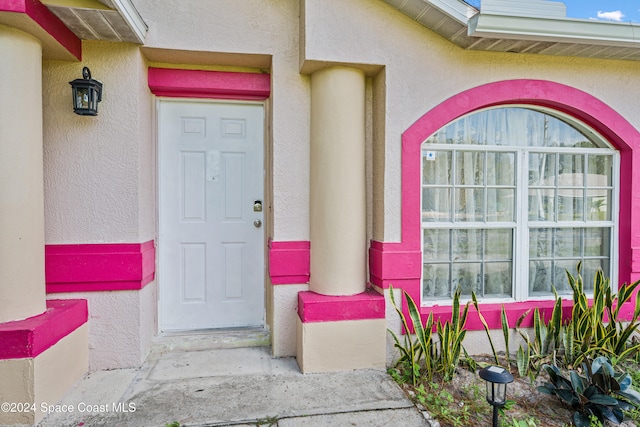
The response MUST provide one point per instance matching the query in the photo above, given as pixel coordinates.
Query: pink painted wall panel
(99, 267)
(289, 262)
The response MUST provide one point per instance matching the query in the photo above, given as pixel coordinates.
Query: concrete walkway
(235, 386)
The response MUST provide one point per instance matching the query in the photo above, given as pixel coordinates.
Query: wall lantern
(497, 379)
(86, 94)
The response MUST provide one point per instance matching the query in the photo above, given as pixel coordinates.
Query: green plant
(505, 333)
(527, 422)
(546, 342)
(450, 336)
(592, 330)
(422, 357)
(412, 351)
(267, 421)
(440, 403)
(173, 424)
(595, 391)
(597, 328)
(485, 325)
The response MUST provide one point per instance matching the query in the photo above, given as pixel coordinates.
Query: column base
(45, 356)
(340, 333)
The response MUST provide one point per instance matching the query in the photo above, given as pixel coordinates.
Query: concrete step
(210, 339)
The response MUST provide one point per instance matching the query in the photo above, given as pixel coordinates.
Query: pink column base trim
(313, 307)
(32, 336)
(99, 267)
(209, 84)
(289, 262)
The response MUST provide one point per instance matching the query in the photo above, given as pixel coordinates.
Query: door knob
(257, 223)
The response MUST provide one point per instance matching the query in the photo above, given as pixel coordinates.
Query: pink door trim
(209, 84)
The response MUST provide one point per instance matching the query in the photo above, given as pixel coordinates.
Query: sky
(611, 10)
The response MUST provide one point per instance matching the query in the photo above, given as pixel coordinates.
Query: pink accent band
(289, 262)
(32, 336)
(99, 267)
(569, 100)
(314, 307)
(209, 84)
(391, 263)
(45, 19)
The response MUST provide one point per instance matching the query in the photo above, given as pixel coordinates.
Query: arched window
(513, 196)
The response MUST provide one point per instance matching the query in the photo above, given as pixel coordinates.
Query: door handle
(257, 223)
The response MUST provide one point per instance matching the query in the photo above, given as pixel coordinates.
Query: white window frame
(520, 266)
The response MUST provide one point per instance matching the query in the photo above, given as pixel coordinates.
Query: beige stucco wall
(43, 379)
(99, 171)
(340, 345)
(285, 313)
(258, 28)
(121, 325)
(422, 69)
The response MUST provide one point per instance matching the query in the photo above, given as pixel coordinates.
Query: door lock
(257, 206)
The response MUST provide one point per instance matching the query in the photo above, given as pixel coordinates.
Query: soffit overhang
(107, 20)
(536, 27)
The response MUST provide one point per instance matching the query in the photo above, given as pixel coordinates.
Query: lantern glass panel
(496, 393)
(82, 97)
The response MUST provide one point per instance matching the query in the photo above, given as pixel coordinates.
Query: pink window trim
(313, 307)
(30, 337)
(289, 262)
(99, 267)
(209, 84)
(45, 19)
(574, 102)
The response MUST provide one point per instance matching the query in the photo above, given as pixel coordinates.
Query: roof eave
(130, 14)
(562, 30)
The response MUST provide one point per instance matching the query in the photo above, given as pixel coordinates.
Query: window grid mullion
(521, 233)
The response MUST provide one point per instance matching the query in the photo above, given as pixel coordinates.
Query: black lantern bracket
(87, 93)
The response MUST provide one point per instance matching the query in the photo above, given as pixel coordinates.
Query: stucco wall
(121, 325)
(259, 28)
(422, 70)
(99, 171)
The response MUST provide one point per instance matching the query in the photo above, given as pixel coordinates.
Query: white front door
(211, 239)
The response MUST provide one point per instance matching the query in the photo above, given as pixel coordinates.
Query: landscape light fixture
(497, 379)
(86, 94)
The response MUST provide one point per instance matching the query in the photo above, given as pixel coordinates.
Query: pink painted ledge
(209, 84)
(30, 337)
(45, 20)
(289, 262)
(99, 267)
(313, 307)
(393, 264)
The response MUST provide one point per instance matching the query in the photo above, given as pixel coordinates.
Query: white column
(22, 283)
(337, 197)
